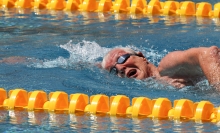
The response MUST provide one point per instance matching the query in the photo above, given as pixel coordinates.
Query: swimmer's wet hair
(127, 50)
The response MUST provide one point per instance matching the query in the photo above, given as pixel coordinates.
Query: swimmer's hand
(176, 82)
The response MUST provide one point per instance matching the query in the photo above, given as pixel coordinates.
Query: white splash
(85, 51)
(82, 52)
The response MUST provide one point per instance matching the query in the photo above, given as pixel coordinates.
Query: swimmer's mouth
(132, 73)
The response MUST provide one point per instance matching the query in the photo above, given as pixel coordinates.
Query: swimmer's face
(128, 65)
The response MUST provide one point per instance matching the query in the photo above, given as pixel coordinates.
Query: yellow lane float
(153, 7)
(119, 105)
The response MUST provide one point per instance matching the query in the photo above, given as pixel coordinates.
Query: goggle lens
(121, 60)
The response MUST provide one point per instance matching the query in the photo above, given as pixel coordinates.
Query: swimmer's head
(125, 62)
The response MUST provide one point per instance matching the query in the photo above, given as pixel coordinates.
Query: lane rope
(153, 7)
(119, 105)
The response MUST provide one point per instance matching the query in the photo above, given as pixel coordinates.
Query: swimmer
(178, 68)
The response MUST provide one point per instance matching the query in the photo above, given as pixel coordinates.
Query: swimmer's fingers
(180, 83)
(181, 80)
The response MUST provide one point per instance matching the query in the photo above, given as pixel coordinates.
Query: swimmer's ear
(140, 54)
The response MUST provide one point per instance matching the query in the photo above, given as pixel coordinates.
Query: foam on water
(84, 51)
(80, 53)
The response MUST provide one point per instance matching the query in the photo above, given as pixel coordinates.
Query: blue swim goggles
(121, 60)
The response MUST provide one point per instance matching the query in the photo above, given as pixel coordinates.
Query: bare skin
(13, 60)
(18, 60)
(176, 68)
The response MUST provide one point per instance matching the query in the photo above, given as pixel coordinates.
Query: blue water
(62, 50)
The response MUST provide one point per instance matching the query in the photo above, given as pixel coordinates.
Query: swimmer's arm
(18, 60)
(13, 60)
(172, 64)
(208, 59)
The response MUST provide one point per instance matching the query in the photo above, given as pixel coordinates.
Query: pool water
(62, 50)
